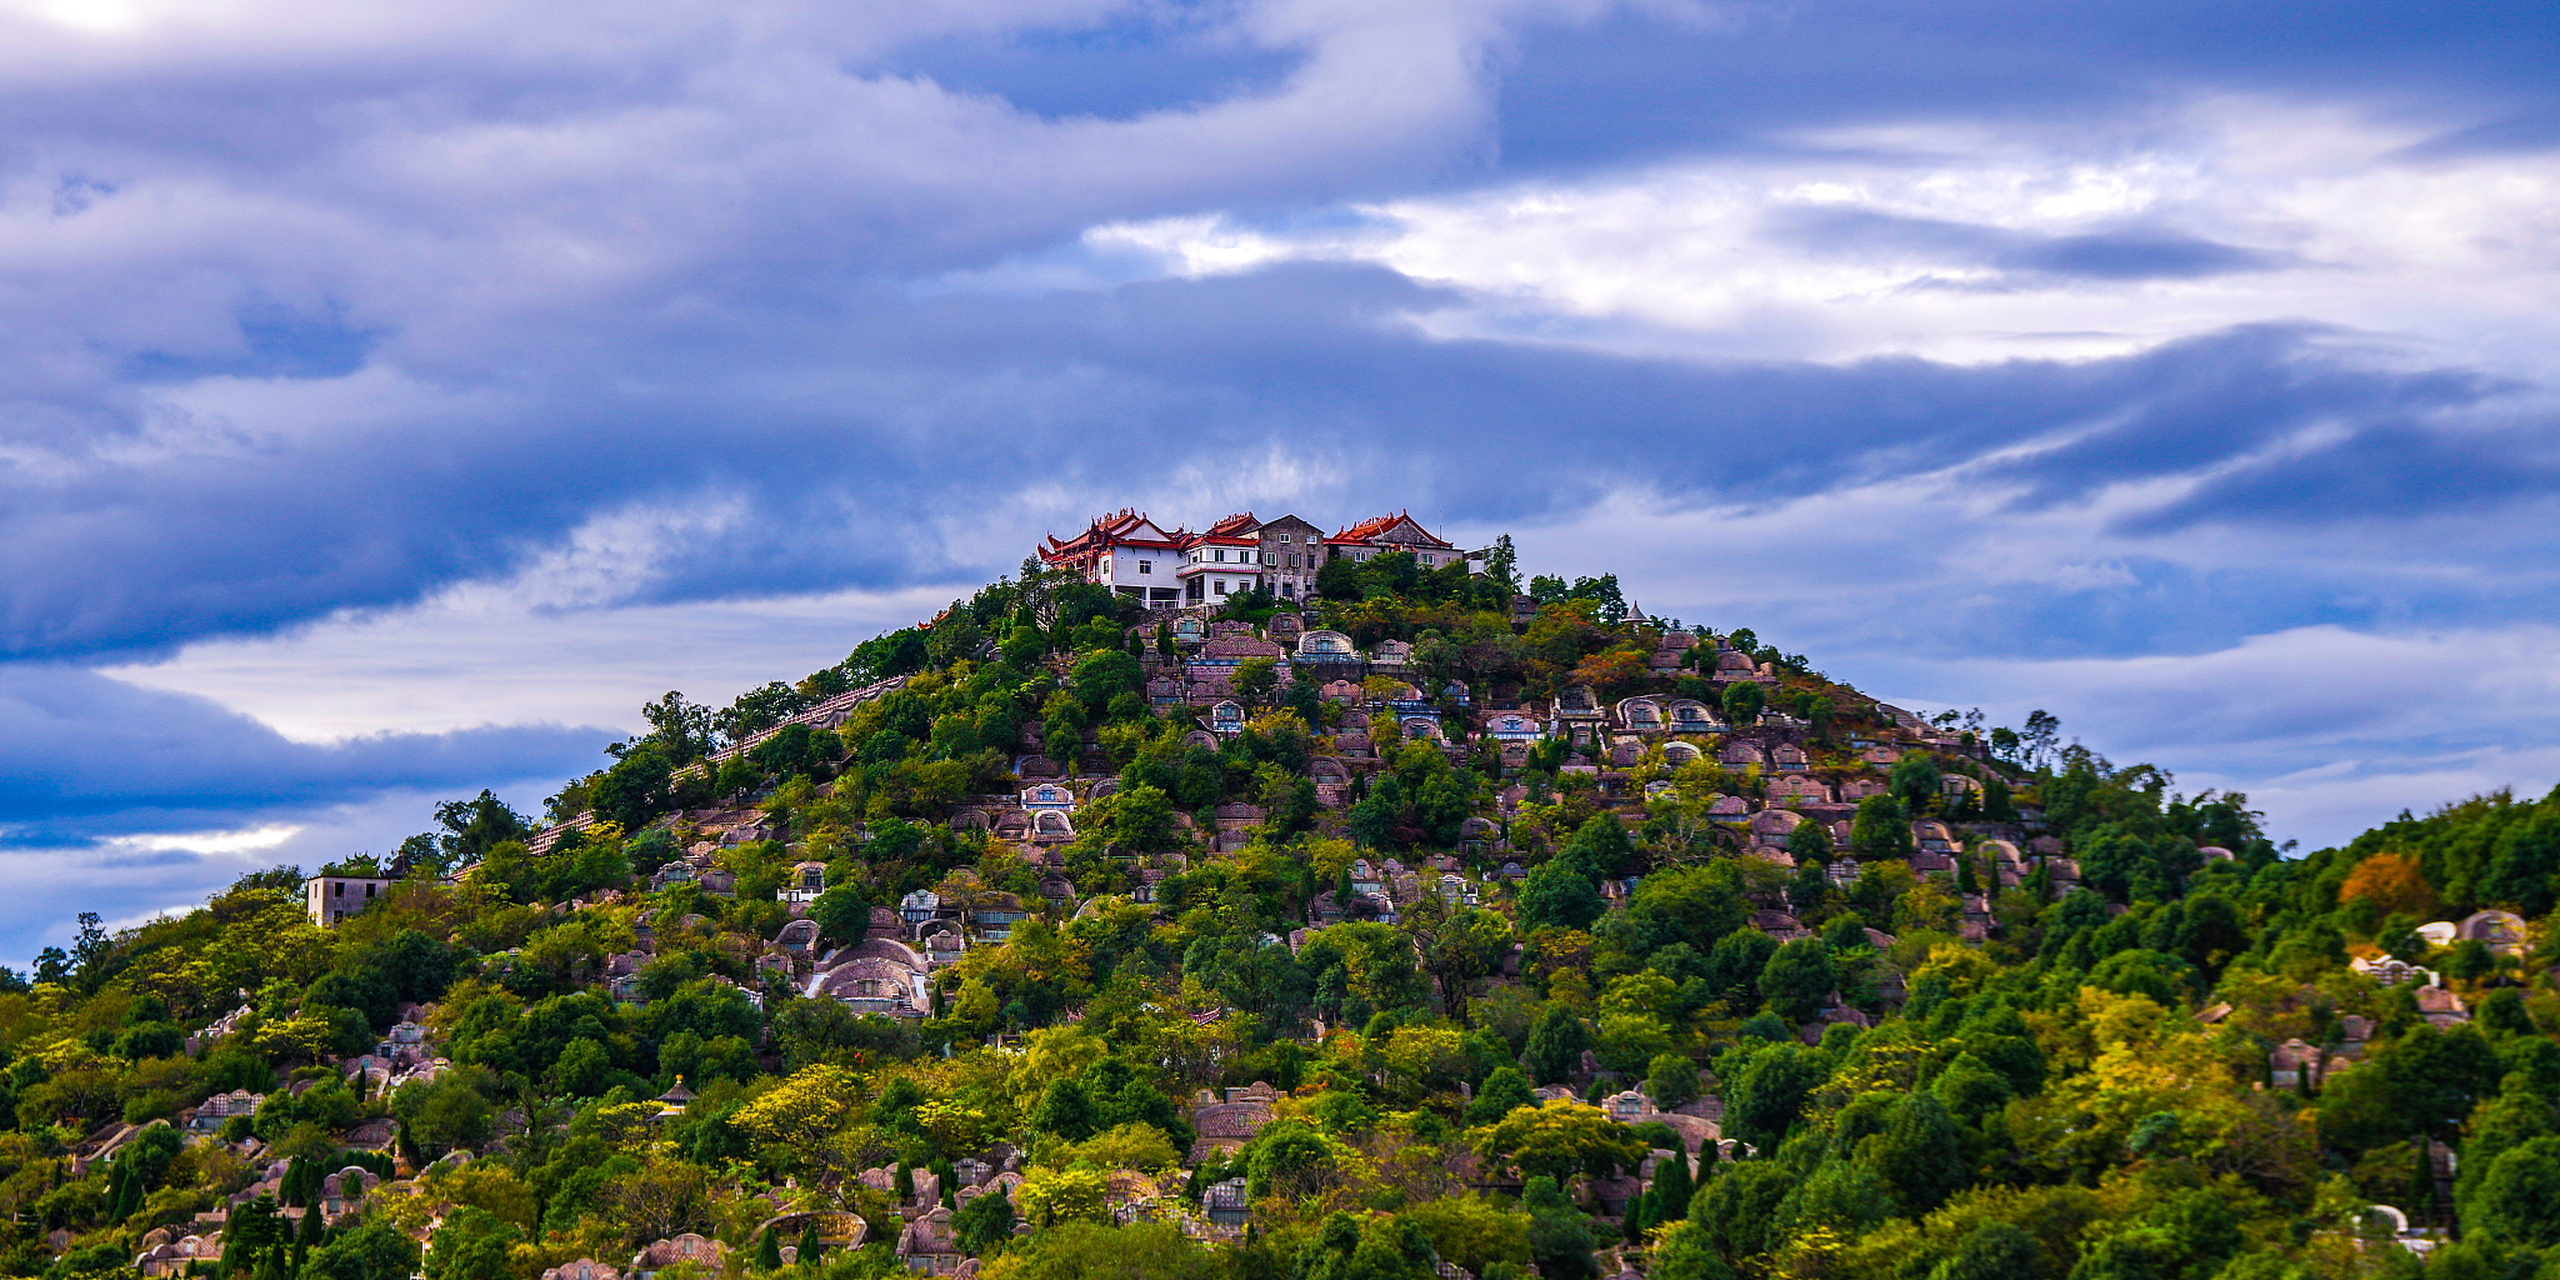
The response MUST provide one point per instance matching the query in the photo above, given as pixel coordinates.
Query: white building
(1126, 552)
(331, 899)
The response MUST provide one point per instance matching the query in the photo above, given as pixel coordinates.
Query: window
(1293, 560)
(1220, 554)
(1284, 539)
(1146, 566)
(368, 889)
(1269, 557)
(1426, 557)
(1222, 586)
(337, 888)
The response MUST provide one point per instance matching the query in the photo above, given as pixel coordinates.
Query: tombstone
(1640, 714)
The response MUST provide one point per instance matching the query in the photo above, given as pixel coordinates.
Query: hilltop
(1353, 917)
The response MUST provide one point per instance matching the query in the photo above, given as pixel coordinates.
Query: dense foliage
(1997, 1063)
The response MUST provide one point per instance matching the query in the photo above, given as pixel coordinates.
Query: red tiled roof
(1369, 530)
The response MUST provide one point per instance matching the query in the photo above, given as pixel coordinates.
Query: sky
(399, 395)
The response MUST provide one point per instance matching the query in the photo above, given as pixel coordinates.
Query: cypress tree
(809, 1246)
(1671, 1185)
(769, 1251)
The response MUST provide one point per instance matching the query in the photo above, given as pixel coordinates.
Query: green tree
(1671, 1186)
(1920, 1155)
(1743, 700)
(2516, 1198)
(1735, 1212)
(1671, 1080)
(1560, 1240)
(373, 1251)
(984, 1222)
(445, 1113)
(1560, 1140)
(1558, 894)
(1798, 978)
(1254, 681)
(1599, 848)
(1066, 1110)
(1766, 1092)
(1994, 1250)
(1555, 1047)
(1809, 841)
(1915, 780)
(634, 790)
(1881, 829)
(1101, 676)
(1089, 1251)
(1504, 1090)
(1687, 1252)
(843, 913)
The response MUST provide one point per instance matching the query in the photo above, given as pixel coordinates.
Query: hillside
(1425, 926)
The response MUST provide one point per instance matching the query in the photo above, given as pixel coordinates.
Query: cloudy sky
(397, 395)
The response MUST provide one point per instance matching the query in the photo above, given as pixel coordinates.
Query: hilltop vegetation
(1799, 985)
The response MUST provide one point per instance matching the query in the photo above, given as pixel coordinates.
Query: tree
(1599, 848)
(1671, 1080)
(681, 729)
(1458, 946)
(2036, 744)
(1915, 780)
(1687, 1252)
(373, 1251)
(1920, 1154)
(843, 913)
(1798, 978)
(1808, 841)
(1560, 1239)
(802, 1115)
(1766, 1096)
(475, 826)
(1671, 1186)
(2437, 1077)
(2515, 1198)
(1504, 1090)
(1737, 1210)
(1881, 829)
(1502, 564)
(1101, 676)
(1254, 681)
(634, 790)
(1557, 894)
(1139, 819)
(1555, 1046)
(444, 1113)
(1066, 1110)
(1994, 1250)
(1743, 700)
(984, 1222)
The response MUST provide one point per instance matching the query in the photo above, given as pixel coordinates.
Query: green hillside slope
(1435, 930)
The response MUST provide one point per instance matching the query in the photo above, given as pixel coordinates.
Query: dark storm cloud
(911, 411)
(82, 755)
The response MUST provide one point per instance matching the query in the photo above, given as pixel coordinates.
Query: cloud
(418, 380)
(87, 758)
(2130, 253)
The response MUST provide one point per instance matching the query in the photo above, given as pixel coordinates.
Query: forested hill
(1437, 930)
